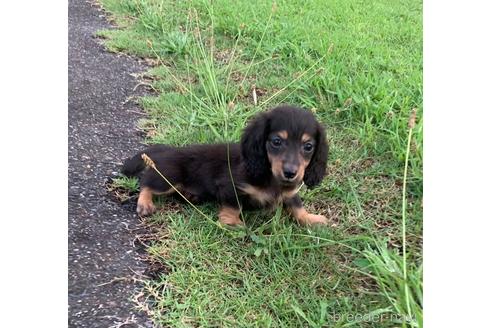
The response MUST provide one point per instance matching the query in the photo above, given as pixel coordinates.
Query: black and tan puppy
(279, 149)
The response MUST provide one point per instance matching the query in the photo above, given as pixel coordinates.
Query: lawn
(358, 66)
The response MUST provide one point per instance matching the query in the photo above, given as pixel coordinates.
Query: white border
(33, 136)
(457, 165)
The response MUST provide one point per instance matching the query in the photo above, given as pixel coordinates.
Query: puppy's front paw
(145, 209)
(312, 219)
(230, 216)
(305, 218)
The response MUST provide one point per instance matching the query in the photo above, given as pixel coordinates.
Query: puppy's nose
(290, 172)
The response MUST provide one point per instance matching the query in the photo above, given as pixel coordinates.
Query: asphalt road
(102, 132)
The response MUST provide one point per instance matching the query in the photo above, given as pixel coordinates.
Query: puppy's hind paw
(145, 209)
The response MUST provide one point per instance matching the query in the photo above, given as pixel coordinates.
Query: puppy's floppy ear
(253, 149)
(317, 166)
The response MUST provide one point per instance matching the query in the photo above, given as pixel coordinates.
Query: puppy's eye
(276, 142)
(308, 147)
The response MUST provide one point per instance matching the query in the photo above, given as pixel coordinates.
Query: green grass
(130, 184)
(358, 66)
(123, 189)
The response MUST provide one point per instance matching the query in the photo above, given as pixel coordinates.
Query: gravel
(102, 132)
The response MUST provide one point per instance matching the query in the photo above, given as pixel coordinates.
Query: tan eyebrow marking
(305, 137)
(283, 134)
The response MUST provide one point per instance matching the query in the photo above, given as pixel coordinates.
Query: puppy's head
(286, 143)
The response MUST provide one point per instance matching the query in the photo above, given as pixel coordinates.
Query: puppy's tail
(133, 166)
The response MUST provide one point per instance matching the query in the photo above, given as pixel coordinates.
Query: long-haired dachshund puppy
(279, 150)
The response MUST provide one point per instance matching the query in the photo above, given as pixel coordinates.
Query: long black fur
(253, 150)
(317, 167)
